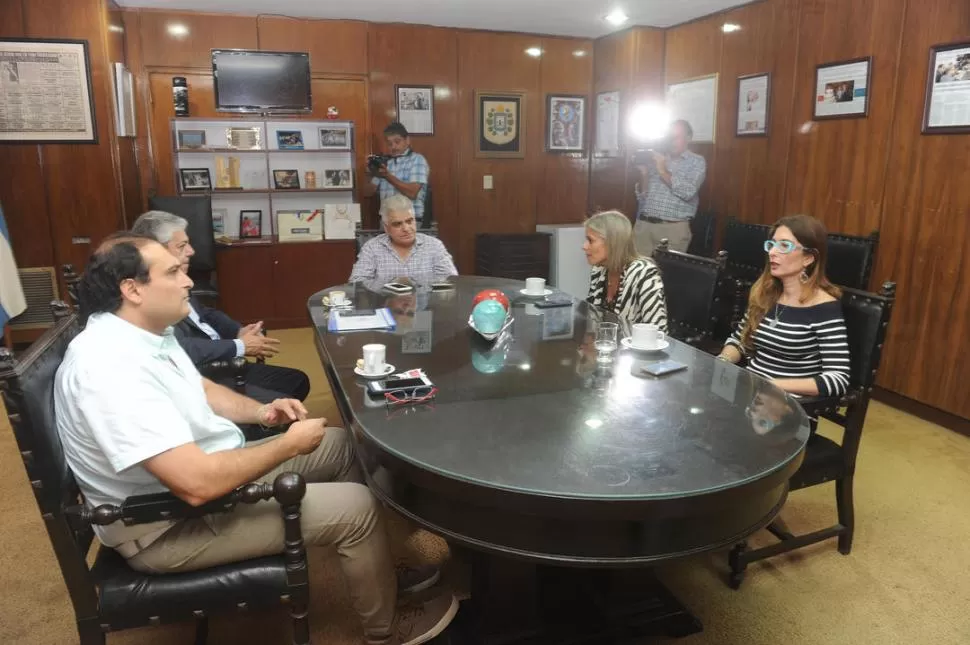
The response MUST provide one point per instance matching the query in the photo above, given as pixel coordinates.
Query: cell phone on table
(556, 300)
(405, 384)
(398, 287)
(662, 368)
(442, 286)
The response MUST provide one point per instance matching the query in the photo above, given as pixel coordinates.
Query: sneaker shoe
(420, 622)
(411, 580)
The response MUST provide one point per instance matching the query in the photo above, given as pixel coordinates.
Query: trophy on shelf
(227, 172)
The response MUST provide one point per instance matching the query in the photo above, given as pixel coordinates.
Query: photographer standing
(668, 200)
(403, 171)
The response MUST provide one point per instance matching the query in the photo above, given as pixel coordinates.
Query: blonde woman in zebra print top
(622, 281)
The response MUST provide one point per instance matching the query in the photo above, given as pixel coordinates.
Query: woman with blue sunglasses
(793, 332)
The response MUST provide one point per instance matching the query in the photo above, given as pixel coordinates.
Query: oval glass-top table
(531, 449)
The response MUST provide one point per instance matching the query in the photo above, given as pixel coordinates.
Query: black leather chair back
(850, 259)
(744, 244)
(428, 207)
(866, 319)
(702, 229)
(197, 211)
(692, 287)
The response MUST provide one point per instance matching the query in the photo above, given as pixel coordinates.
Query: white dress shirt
(123, 395)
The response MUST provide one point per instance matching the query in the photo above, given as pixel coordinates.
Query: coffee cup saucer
(346, 304)
(388, 368)
(628, 344)
(529, 294)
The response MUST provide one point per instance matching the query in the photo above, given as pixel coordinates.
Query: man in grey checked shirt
(669, 199)
(405, 174)
(401, 253)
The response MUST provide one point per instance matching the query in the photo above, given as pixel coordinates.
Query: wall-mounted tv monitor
(256, 81)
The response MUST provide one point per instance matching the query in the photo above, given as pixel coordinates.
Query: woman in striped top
(622, 281)
(793, 332)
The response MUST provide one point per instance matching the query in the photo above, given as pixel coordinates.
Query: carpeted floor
(907, 580)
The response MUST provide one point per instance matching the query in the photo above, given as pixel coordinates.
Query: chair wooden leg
(201, 630)
(843, 499)
(301, 624)
(90, 632)
(738, 564)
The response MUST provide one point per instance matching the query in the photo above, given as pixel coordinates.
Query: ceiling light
(728, 27)
(579, 53)
(178, 30)
(535, 52)
(617, 17)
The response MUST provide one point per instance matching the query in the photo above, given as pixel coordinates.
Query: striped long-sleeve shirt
(640, 297)
(801, 342)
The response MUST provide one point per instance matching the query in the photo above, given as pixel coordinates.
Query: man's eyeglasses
(784, 246)
(408, 397)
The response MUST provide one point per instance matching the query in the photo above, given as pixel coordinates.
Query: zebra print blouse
(640, 296)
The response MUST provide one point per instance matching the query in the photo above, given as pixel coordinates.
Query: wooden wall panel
(926, 227)
(403, 54)
(335, 46)
(564, 178)
(127, 146)
(161, 48)
(497, 61)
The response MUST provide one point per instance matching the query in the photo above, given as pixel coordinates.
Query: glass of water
(605, 342)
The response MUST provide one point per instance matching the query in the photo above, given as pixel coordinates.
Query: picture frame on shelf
(754, 103)
(244, 138)
(336, 137)
(195, 179)
(947, 90)
(289, 139)
(286, 179)
(415, 108)
(340, 178)
(219, 217)
(250, 224)
(842, 89)
(565, 123)
(191, 139)
(500, 124)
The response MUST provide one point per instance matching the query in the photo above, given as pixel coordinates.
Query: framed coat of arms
(500, 124)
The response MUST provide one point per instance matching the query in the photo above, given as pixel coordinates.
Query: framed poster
(946, 109)
(842, 89)
(499, 125)
(695, 101)
(565, 123)
(415, 108)
(754, 93)
(608, 124)
(49, 81)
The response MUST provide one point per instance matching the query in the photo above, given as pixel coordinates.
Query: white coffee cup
(535, 286)
(374, 358)
(337, 298)
(647, 336)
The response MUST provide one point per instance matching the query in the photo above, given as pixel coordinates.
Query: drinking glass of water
(605, 342)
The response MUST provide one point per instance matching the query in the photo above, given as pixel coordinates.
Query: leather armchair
(850, 259)
(109, 595)
(693, 286)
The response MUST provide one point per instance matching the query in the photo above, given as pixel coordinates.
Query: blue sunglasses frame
(784, 246)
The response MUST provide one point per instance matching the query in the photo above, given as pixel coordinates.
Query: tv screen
(252, 81)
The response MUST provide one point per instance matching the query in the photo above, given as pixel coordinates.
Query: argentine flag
(12, 301)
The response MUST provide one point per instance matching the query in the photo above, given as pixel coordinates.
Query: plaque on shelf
(227, 172)
(340, 221)
(243, 138)
(299, 226)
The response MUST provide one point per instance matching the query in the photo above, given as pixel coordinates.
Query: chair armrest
(287, 489)
(234, 368)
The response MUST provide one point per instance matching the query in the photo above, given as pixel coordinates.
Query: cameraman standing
(668, 200)
(403, 171)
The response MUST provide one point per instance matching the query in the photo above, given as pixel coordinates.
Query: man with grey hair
(208, 334)
(401, 253)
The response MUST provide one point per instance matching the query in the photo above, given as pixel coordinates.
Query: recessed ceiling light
(617, 17)
(535, 52)
(728, 27)
(579, 53)
(178, 30)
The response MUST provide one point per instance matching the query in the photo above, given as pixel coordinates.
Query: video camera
(374, 162)
(644, 156)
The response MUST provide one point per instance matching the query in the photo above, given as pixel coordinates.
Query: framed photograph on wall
(195, 179)
(342, 178)
(754, 93)
(565, 123)
(946, 109)
(500, 125)
(191, 139)
(607, 138)
(695, 101)
(289, 139)
(415, 108)
(286, 179)
(842, 89)
(49, 80)
(336, 137)
(250, 224)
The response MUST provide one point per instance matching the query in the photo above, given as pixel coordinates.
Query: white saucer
(388, 368)
(547, 292)
(628, 344)
(346, 304)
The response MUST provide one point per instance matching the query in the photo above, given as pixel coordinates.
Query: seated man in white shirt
(134, 416)
(208, 334)
(401, 253)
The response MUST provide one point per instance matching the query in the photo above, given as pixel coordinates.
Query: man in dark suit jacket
(208, 334)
